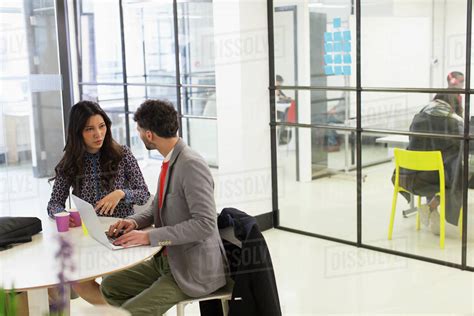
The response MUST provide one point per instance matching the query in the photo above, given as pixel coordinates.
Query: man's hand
(135, 237)
(123, 225)
(107, 204)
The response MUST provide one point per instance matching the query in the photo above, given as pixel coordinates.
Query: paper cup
(76, 216)
(62, 221)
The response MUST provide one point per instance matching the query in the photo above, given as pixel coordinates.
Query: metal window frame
(466, 137)
(65, 71)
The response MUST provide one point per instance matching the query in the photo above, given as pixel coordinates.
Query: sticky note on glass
(338, 70)
(347, 59)
(337, 36)
(346, 47)
(328, 36)
(328, 47)
(347, 35)
(336, 22)
(328, 59)
(328, 70)
(338, 59)
(337, 47)
(347, 70)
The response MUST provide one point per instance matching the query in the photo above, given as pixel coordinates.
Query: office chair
(224, 294)
(421, 161)
(286, 132)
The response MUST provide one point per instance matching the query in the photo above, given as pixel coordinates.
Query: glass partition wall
(351, 81)
(128, 51)
(31, 121)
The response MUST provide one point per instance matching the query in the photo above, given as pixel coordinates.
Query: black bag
(15, 230)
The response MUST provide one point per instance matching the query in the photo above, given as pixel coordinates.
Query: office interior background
(321, 172)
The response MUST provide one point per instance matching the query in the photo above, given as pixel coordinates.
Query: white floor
(327, 206)
(316, 276)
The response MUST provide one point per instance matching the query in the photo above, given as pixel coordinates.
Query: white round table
(34, 266)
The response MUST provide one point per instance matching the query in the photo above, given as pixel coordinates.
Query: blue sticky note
(328, 59)
(338, 70)
(327, 36)
(336, 22)
(347, 70)
(328, 47)
(347, 35)
(328, 70)
(338, 59)
(347, 47)
(347, 59)
(337, 47)
(337, 36)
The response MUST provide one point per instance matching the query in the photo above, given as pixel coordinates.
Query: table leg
(38, 303)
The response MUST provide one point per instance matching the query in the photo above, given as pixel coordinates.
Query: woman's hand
(106, 206)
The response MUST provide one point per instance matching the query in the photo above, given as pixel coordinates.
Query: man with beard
(191, 264)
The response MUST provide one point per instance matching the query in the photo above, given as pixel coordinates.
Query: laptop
(93, 225)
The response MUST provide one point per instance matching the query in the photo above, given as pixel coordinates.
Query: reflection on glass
(317, 189)
(377, 198)
(100, 49)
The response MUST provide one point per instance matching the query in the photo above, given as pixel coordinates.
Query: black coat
(255, 291)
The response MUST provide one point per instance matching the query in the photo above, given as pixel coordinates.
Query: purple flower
(66, 265)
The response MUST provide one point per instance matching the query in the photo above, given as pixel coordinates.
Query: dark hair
(454, 74)
(72, 162)
(279, 78)
(448, 98)
(158, 116)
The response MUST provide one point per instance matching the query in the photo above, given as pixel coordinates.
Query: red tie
(164, 171)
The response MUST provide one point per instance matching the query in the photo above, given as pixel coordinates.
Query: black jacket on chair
(255, 291)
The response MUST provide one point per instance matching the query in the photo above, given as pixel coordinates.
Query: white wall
(241, 63)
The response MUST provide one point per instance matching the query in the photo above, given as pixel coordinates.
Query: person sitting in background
(437, 117)
(456, 81)
(280, 95)
(100, 171)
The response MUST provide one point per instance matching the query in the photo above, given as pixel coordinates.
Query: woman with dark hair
(100, 171)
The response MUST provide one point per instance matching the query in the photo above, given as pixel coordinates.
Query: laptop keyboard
(111, 239)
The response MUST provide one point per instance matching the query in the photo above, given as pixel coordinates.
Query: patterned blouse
(128, 179)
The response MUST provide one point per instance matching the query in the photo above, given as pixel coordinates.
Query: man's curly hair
(158, 116)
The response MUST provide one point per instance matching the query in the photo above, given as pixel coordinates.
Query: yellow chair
(421, 161)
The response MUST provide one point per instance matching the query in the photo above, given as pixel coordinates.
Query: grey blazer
(187, 224)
